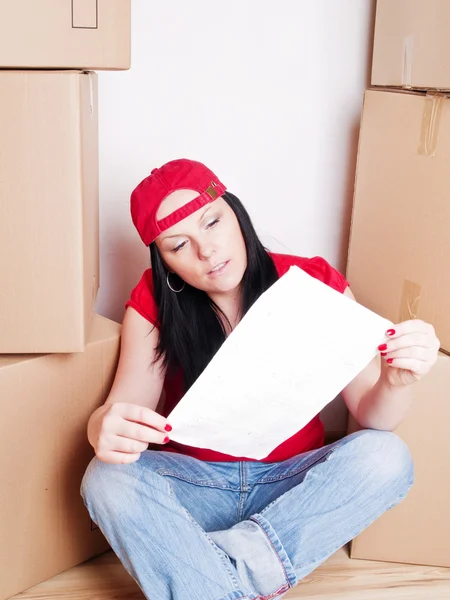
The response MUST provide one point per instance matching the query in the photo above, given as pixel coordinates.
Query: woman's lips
(219, 269)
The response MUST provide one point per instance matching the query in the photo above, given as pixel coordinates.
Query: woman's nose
(205, 251)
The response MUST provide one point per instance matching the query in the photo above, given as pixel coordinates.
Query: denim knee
(383, 454)
(101, 481)
(116, 485)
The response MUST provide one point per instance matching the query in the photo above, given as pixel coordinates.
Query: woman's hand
(409, 352)
(119, 432)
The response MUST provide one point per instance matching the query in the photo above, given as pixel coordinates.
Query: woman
(193, 524)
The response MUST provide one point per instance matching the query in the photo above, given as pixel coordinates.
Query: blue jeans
(187, 529)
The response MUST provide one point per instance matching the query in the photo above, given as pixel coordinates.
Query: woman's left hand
(409, 352)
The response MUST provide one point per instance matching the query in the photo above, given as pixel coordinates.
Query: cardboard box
(46, 402)
(411, 44)
(65, 34)
(417, 530)
(49, 260)
(399, 237)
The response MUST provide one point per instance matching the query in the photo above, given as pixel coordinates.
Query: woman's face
(206, 249)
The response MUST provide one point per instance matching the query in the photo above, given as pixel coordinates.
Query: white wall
(267, 94)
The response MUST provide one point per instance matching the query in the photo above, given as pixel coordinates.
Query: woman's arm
(137, 379)
(123, 427)
(372, 401)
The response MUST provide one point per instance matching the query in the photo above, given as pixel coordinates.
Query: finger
(139, 414)
(419, 354)
(409, 340)
(124, 444)
(138, 432)
(118, 458)
(114, 443)
(417, 367)
(410, 326)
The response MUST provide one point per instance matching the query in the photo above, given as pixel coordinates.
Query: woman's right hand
(119, 432)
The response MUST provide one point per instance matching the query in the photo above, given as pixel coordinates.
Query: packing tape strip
(408, 50)
(409, 305)
(94, 288)
(91, 93)
(431, 119)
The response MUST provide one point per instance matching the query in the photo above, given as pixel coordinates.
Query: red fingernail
(383, 353)
(390, 332)
(382, 347)
(168, 427)
(166, 439)
(389, 360)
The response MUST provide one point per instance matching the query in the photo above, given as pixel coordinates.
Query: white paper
(297, 347)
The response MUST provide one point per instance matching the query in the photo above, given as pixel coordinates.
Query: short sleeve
(142, 298)
(317, 267)
(321, 269)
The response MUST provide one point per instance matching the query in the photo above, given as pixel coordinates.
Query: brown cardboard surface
(399, 240)
(65, 34)
(417, 530)
(411, 44)
(46, 402)
(49, 262)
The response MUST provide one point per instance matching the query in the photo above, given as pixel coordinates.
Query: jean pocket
(188, 469)
(198, 472)
(296, 465)
(197, 480)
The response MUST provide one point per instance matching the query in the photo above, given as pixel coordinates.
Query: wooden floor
(340, 578)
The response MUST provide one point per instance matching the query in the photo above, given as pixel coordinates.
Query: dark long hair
(190, 329)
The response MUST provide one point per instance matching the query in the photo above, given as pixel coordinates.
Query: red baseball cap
(181, 174)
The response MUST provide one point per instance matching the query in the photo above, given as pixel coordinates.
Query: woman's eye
(179, 247)
(212, 223)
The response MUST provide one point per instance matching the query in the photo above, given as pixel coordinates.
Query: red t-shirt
(308, 438)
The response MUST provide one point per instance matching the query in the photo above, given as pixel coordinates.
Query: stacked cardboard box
(57, 358)
(65, 34)
(411, 45)
(46, 401)
(399, 248)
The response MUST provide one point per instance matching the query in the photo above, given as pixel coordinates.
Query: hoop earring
(171, 288)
